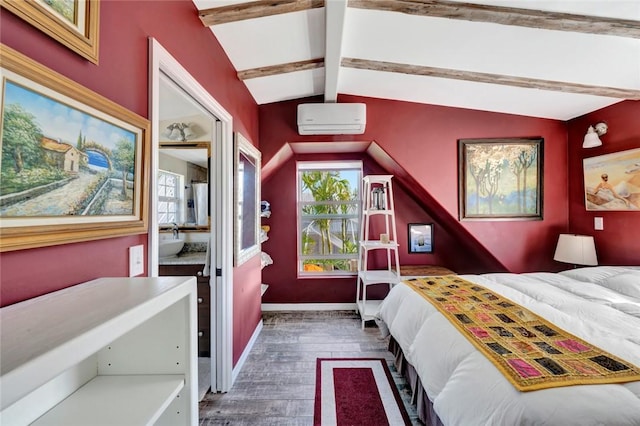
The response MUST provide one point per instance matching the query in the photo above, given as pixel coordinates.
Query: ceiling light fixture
(592, 138)
(179, 131)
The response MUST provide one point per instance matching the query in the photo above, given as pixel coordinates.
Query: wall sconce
(592, 138)
(576, 249)
(179, 131)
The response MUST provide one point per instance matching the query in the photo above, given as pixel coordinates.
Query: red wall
(284, 285)
(619, 242)
(422, 139)
(122, 76)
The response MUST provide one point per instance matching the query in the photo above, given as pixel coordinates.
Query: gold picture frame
(55, 132)
(74, 23)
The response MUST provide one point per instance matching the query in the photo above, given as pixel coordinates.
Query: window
(170, 199)
(328, 217)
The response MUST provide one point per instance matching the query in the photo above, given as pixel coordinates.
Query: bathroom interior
(186, 133)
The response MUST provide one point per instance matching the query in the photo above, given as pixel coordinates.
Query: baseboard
(266, 307)
(245, 353)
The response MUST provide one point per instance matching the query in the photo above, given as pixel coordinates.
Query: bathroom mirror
(247, 200)
(183, 189)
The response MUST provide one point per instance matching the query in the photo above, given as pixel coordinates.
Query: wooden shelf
(383, 276)
(368, 309)
(100, 335)
(116, 400)
(378, 192)
(377, 244)
(378, 212)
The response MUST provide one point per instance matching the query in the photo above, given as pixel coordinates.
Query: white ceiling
(562, 72)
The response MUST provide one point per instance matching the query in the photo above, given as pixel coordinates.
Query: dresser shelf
(109, 351)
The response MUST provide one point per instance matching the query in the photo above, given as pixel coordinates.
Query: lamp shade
(591, 139)
(576, 249)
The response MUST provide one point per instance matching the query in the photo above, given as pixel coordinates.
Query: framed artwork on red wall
(500, 179)
(420, 237)
(74, 23)
(612, 181)
(73, 163)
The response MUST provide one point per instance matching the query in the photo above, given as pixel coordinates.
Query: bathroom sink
(170, 247)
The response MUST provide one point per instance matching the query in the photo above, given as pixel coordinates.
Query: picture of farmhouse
(62, 155)
(61, 161)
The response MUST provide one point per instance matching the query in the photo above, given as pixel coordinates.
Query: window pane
(328, 209)
(170, 197)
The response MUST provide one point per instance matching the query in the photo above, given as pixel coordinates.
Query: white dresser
(112, 351)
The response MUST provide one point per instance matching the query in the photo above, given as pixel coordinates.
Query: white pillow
(626, 283)
(593, 274)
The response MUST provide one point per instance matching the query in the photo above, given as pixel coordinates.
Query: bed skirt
(419, 397)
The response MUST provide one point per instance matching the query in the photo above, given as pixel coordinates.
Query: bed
(454, 384)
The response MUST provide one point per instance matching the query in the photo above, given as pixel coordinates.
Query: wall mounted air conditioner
(332, 119)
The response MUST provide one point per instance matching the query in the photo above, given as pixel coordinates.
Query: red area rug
(356, 391)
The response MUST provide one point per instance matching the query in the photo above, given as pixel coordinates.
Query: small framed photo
(420, 237)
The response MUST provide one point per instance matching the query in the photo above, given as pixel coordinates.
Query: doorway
(187, 122)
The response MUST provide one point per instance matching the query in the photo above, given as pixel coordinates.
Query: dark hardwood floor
(277, 383)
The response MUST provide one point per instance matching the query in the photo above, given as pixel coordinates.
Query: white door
(217, 127)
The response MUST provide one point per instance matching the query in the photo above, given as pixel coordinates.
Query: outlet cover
(598, 223)
(136, 260)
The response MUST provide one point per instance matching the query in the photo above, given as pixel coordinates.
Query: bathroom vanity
(191, 264)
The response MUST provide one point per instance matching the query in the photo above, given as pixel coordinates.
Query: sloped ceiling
(550, 59)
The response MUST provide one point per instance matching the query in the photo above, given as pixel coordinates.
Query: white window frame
(178, 199)
(302, 166)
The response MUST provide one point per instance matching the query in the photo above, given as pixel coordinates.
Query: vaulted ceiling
(553, 59)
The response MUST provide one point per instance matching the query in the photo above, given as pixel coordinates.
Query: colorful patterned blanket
(529, 351)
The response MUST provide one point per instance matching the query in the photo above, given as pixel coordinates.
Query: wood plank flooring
(277, 383)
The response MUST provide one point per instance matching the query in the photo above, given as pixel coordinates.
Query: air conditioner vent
(332, 119)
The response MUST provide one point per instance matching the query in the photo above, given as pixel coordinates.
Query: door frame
(221, 195)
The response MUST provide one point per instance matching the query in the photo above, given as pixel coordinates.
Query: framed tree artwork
(500, 179)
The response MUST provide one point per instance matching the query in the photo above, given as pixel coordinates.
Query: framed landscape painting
(73, 163)
(500, 179)
(73, 23)
(612, 181)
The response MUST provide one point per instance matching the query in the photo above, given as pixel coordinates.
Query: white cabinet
(112, 351)
(377, 211)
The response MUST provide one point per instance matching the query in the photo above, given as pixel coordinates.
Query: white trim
(160, 60)
(272, 307)
(245, 353)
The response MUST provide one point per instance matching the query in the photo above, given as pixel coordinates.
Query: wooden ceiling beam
(478, 77)
(254, 9)
(506, 16)
(281, 69)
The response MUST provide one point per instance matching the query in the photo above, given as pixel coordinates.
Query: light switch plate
(598, 223)
(136, 260)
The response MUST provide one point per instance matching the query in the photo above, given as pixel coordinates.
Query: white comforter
(600, 305)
